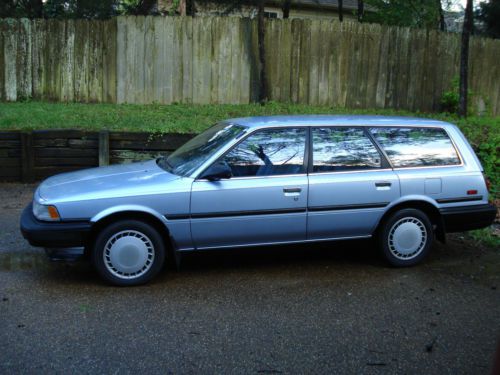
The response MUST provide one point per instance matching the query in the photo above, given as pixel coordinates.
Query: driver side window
(269, 152)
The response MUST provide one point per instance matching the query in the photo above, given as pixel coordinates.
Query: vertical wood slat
(103, 148)
(150, 52)
(109, 61)
(3, 30)
(27, 157)
(121, 59)
(9, 59)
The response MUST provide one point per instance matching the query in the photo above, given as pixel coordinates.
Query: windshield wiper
(164, 164)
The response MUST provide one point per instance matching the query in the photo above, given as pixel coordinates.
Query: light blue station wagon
(269, 180)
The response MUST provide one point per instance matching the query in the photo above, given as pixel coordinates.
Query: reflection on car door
(350, 184)
(264, 202)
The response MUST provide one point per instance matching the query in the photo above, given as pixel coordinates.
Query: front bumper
(460, 219)
(53, 234)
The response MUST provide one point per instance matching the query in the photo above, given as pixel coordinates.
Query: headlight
(45, 212)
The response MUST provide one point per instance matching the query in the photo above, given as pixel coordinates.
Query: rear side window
(343, 149)
(416, 147)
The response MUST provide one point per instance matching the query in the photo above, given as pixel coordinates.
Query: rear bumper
(460, 219)
(53, 234)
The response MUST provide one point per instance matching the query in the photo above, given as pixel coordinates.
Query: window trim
(250, 133)
(384, 162)
(460, 164)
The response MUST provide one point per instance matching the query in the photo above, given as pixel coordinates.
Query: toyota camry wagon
(269, 180)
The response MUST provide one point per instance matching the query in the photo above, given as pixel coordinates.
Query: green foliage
(484, 135)
(488, 16)
(450, 98)
(81, 9)
(487, 237)
(137, 7)
(412, 13)
(21, 8)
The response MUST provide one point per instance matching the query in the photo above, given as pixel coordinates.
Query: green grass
(487, 237)
(183, 118)
(482, 132)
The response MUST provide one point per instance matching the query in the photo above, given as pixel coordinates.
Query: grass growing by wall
(483, 132)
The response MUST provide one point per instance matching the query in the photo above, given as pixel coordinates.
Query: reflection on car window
(343, 149)
(187, 158)
(269, 152)
(416, 147)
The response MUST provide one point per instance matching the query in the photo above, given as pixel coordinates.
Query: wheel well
(431, 211)
(124, 215)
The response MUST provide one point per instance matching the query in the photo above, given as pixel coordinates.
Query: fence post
(103, 147)
(27, 157)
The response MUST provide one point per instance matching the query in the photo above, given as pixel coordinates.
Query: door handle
(292, 190)
(383, 184)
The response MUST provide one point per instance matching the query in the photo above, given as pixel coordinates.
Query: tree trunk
(145, 7)
(34, 8)
(262, 58)
(464, 60)
(190, 8)
(286, 8)
(341, 10)
(182, 7)
(442, 24)
(361, 10)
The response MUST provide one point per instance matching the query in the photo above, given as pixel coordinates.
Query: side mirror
(218, 171)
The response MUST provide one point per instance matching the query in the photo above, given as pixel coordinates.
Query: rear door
(350, 184)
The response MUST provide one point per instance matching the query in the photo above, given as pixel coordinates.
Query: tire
(128, 252)
(406, 237)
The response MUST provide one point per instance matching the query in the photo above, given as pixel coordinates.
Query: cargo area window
(343, 149)
(416, 147)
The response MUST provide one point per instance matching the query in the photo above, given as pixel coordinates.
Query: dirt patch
(468, 259)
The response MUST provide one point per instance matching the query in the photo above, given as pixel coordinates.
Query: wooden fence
(30, 156)
(214, 60)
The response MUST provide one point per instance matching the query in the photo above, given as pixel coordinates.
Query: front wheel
(128, 252)
(406, 237)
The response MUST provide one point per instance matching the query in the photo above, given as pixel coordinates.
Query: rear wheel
(406, 237)
(128, 252)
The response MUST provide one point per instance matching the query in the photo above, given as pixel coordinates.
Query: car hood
(112, 181)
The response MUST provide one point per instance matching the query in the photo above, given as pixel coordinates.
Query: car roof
(341, 120)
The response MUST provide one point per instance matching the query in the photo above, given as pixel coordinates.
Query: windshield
(187, 158)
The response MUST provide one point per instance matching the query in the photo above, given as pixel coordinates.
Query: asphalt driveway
(333, 308)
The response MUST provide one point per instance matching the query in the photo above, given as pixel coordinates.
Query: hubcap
(128, 254)
(407, 238)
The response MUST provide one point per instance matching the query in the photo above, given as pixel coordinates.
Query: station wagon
(265, 181)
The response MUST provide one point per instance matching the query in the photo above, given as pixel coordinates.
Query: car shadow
(359, 252)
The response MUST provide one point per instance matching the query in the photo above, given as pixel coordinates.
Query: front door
(263, 202)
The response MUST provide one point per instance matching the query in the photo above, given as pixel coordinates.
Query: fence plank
(109, 63)
(304, 61)
(3, 30)
(81, 75)
(177, 73)
(201, 55)
(10, 52)
(122, 52)
(187, 59)
(149, 57)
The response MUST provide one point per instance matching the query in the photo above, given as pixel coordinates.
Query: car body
(269, 180)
